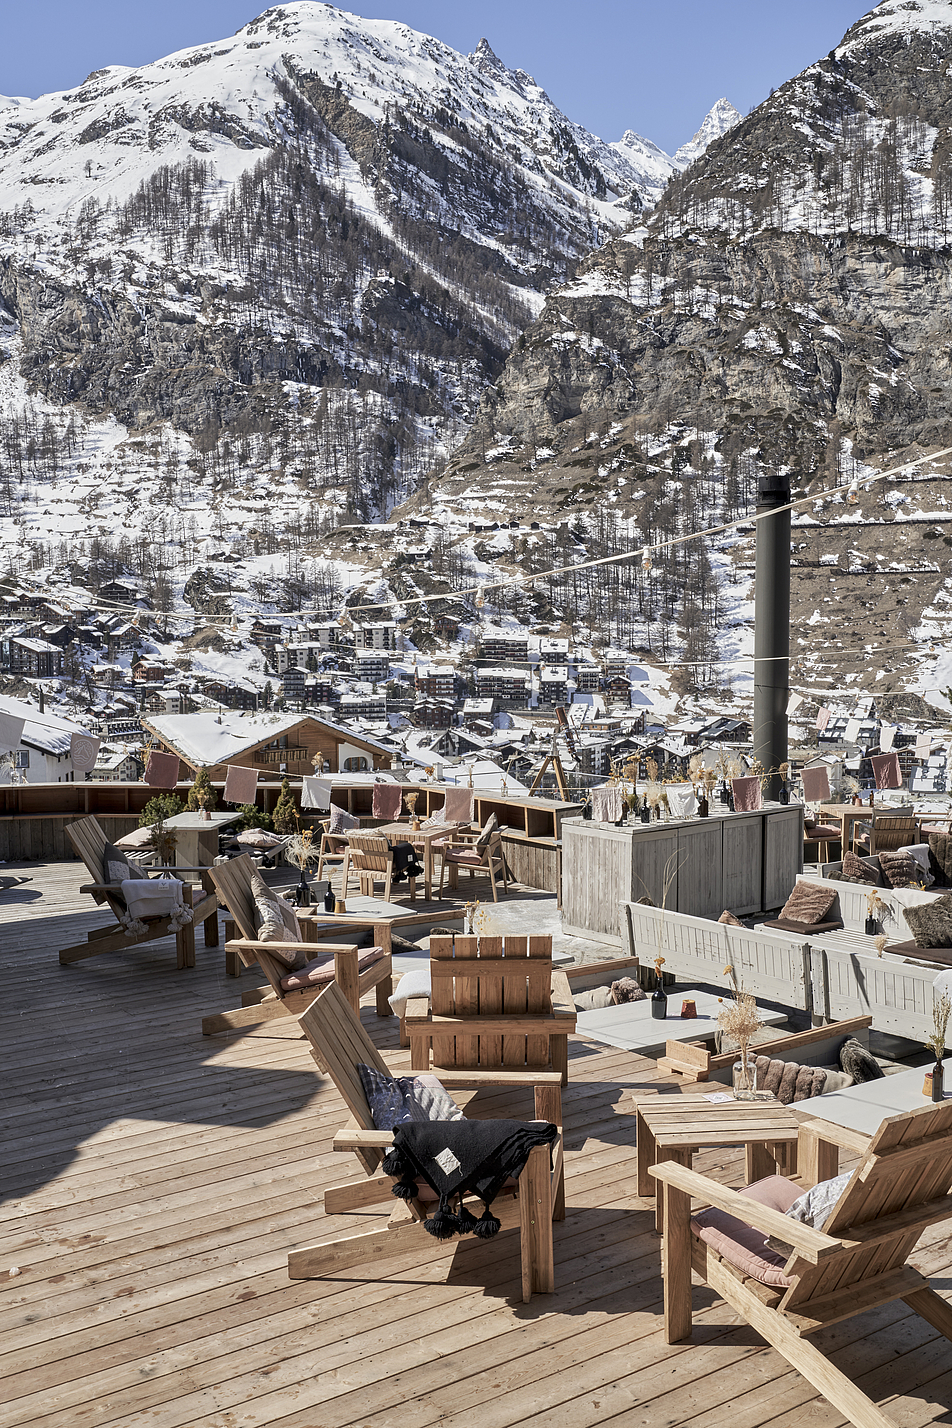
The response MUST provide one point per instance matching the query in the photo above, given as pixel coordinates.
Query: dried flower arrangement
(849, 785)
(941, 1011)
(880, 943)
(300, 850)
(475, 918)
(876, 907)
(741, 1020)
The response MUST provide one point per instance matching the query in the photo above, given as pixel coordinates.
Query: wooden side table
(673, 1127)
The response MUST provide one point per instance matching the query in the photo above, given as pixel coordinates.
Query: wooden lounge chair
(857, 1262)
(461, 851)
(494, 1004)
(355, 971)
(371, 857)
(338, 1044)
(89, 841)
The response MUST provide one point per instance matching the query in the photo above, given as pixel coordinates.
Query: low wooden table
(382, 917)
(673, 1126)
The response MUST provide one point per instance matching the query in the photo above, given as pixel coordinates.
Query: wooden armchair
(338, 1044)
(89, 841)
(887, 833)
(355, 970)
(494, 1004)
(461, 851)
(370, 856)
(857, 1262)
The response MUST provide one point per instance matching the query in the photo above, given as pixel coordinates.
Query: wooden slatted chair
(338, 1044)
(858, 1261)
(356, 970)
(887, 833)
(371, 857)
(461, 851)
(89, 842)
(495, 1004)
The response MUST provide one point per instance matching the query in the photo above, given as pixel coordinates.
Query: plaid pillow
(341, 820)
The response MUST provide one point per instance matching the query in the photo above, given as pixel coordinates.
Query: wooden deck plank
(154, 1181)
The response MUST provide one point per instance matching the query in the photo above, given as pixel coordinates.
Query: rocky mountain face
(322, 224)
(786, 307)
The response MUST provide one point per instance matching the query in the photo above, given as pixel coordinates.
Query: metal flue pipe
(772, 628)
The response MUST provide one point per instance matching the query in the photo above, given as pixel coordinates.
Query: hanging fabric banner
(886, 736)
(241, 784)
(886, 770)
(162, 770)
(816, 785)
(822, 719)
(851, 733)
(83, 749)
(793, 703)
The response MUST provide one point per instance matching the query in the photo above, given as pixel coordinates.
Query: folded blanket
(460, 1157)
(153, 897)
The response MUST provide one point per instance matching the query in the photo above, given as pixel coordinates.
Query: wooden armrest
(101, 888)
(243, 944)
(354, 1138)
(846, 1139)
(811, 1244)
(418, 1008)
(563, 1003)
(458, 1078)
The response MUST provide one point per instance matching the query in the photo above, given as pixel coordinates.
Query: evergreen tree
(285, 814)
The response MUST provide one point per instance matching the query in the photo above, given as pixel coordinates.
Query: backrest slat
(232, 882)
(341, 1043)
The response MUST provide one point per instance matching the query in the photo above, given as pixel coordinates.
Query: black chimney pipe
(772, 627)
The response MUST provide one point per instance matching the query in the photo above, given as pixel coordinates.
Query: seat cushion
(822, 833)
(321, 969)
(463, 855)
(743, 1246)
(787, 924)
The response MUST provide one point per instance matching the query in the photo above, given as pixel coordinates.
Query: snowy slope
(222, 101)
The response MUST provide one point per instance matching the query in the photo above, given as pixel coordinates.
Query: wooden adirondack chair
(495, 1004)
(338, 1044)
(857, 1262)
(89, 841)
(371, 857)
(355, 970)
(888, 832)
(461, 851)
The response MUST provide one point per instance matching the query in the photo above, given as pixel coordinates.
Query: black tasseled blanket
(462, 1157)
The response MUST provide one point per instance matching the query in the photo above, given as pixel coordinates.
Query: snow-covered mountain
(717, 121)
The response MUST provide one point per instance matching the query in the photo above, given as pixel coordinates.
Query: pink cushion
(740, 1244)
(820, 832)
(321, 969)
(463, 856)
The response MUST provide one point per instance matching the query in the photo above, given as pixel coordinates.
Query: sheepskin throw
(857, 1062)
(788, 1080)
(899, 869)
(728, 917)
(808, 903)
(855, 869)
(931, 922)
(940, 858)
(626, 989)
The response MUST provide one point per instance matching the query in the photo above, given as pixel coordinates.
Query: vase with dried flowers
(410, 799)
(876, 910)
(301, 853)
(659, 997)
(941, 1011)
(880, 943)
(741, 1020)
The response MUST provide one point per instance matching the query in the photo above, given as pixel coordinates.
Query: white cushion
(411, 984)
(816, 1206)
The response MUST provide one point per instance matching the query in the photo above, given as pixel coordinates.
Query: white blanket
(153, 897)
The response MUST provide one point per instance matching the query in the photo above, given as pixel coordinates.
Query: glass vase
(659, 1003)
(745, 1080)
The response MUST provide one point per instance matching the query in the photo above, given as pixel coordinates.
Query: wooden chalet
(273, 744)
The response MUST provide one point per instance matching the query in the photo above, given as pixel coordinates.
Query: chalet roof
(210, 738)
(48, 733)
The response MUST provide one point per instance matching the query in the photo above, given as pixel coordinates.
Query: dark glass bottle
(645, 812)
(659, 1002)
(703, 807)
(329, 899)
(938, 1081)
(872, 927)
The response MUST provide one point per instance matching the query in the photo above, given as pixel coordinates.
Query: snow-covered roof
(210, 738)
(47, 732)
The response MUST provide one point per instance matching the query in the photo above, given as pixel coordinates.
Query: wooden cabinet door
(743, 862)
(654, 861)
(783, 854)
(700, 869)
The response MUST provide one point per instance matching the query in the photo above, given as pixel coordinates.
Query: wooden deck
(154, 1181)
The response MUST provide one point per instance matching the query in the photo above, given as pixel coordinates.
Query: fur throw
(788, 1080)
(626, 990)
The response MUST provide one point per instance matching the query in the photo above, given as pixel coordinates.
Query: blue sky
(655, 66)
